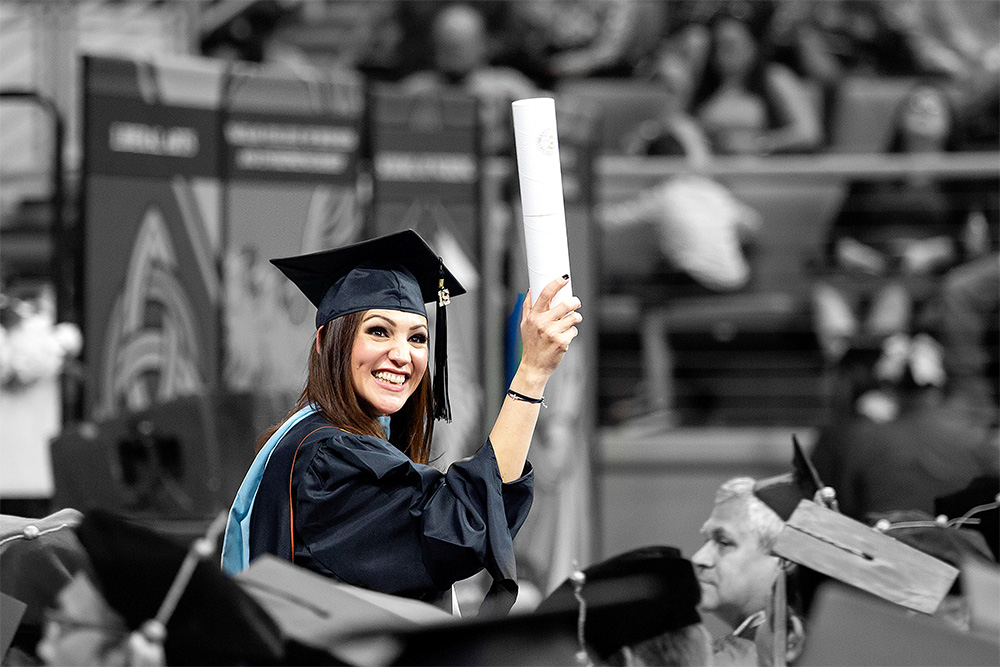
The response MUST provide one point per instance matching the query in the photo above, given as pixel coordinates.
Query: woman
(745, 103)
(342, 486)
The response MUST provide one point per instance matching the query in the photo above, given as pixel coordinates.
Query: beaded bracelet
(527, 399)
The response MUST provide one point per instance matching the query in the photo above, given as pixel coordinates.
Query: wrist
(529, 382)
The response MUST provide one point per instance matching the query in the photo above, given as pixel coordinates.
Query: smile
(392, 378)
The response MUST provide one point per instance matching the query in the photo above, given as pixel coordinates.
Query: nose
(399, 352)
(702, 559)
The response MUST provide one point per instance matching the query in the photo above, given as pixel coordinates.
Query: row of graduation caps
(278, 613)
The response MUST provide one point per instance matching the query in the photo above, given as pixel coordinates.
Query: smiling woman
(342, 485)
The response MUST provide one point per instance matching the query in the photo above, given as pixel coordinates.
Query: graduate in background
(342, 486)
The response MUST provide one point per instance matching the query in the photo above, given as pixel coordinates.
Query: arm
(546, 334)
(800, 128)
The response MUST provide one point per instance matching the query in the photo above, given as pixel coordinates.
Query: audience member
(746, 102)
(890, 233)
(674, 131)
(904, 447)
(737, 573)
(952, 544)
(640, 609)
(461, 62)
(970, 302)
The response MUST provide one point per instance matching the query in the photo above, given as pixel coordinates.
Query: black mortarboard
(394, 272)
(321, 613)
(214, 621)
(980, 498)
(630, 597)
(782, 493)
(37, 558)
(851, 627)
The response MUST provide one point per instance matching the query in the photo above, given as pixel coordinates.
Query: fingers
(545, 298)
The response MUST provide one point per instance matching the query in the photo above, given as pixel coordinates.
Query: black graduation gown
(364, 514)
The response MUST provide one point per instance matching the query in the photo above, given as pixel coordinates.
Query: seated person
(890, 233)
(737, 572)
(747, 104)
(461, 62)
(639, 608)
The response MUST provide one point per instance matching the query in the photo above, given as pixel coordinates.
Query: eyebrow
(416, 327)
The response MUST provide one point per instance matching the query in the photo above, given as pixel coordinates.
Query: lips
(392, 379)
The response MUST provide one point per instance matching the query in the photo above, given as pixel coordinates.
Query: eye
(419, 338)
(377, 331)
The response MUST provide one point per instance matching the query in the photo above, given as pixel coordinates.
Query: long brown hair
(331, 387)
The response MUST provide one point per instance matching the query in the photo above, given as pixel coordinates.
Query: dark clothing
(364, 514)
(903, 464)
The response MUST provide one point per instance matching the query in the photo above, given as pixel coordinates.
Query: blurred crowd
(755, 76)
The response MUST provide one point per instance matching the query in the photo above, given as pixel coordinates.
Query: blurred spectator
(901, 446)
(245, 36)
(674, 131)
(890, 232)
(461, 62)
(553, 39)
(745, 102)
(970, 304)
(952, 37)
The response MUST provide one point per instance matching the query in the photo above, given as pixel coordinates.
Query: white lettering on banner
(263, 159)
(153, 139)
(426, 167)
(242, 133)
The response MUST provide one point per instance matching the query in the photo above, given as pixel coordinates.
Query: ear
(796, 638)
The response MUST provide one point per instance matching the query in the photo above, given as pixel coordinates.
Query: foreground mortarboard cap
(631, 597)
(316, 611)
(393, 272)
(214, 621)
(39, 557)
(782, 493)
(850, 627)
(856, 554)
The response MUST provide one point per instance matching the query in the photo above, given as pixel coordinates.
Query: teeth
(390, 377)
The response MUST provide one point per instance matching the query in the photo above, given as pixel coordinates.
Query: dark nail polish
(565, 276)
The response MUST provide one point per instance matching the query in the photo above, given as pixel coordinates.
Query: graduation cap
(851, 627)
(856, 554)
(37, 558)
(146, 576)
(622, 601)
(782, 493)
(394, 272)
(631, 597)
(979, 500)
(321, 613)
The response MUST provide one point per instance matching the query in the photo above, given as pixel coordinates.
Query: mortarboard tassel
(442, 406)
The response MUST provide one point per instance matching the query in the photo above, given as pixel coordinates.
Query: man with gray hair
(736, 569)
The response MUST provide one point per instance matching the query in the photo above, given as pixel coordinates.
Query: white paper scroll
(540, 176)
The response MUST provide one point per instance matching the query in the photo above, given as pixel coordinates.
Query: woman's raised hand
(547, 330)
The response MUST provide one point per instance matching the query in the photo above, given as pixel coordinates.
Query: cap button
(31, 532)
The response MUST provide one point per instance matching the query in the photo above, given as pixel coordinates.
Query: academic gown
(364, 514)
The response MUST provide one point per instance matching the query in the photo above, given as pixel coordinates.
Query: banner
(152, 232)
(291, 149)
(426, 167)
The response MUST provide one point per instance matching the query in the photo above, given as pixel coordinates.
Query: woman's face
(388, 359)
(926, 115)
(735, 48)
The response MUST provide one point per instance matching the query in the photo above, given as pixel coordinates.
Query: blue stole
(236, 542)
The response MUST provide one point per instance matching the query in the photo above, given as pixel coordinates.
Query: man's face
(735, 572)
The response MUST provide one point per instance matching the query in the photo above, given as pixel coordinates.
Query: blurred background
(782, 219)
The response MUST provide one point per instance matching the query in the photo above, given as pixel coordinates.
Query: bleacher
(748, 357)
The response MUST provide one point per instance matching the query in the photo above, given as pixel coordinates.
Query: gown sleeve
(369, 516)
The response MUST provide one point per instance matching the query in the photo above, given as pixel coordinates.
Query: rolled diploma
(540, 177)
